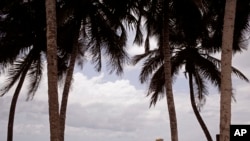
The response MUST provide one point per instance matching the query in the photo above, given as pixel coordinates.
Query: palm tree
(206, 31)
(101, 26)
(172, 14)
(13, 106)
(29, 12)
(156, 25)
(87, 23)
(71, 51)
(51, 28)
(167, 71)
(19, 55)
(68, 42)
(226, 61)
(66, 89)
(19, 70)
(200, 68)
(241, 26)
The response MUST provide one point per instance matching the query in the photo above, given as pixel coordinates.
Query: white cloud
(98, 108)
(104, 110)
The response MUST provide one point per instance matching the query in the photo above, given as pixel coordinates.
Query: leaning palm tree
(27, 32)
(30, 66)
(98, 26)
(23, 54)
(199, 67)
(161, 16)
(206, 31)
(68, 42)
(30, 40)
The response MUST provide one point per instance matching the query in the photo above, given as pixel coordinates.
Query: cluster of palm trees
(62, 31)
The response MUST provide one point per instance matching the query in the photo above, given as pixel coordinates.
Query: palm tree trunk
(167, 71)
(13, 106)
(52, 69)
(66, 89)
(69, 78)
(196, 111)
(226, 63)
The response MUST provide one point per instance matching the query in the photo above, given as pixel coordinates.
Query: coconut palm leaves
(160, 18)
(100, 30)
(97, 28)
(30, 66)
(202, 67)
(192, 24)
(214, 22)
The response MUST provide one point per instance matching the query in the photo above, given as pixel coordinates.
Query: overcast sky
(104, 107)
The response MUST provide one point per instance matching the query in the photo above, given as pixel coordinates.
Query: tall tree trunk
(13, 106)
(226, 63)
(195, 109)
(66, 89)
(69, 78)
(52, 69)
(167, 70)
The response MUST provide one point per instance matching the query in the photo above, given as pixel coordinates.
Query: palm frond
(35, 76)
(187, 13)
(106, 36)
(147, 44)
(96, 56)
(149, 66)
(16, 70)
(62, 64)
(208, 70)
(239, 74)
(156, 86)
(241, 25)
(235, 71)
(20, 33)
(140, 57)
(177, 61)
(13, 78)
(115, 50)
(200, 84)
(214, 19)
(201, 89)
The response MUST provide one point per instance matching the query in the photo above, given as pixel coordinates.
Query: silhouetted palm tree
(31, 66)
(199, 66)
(107, 35)
(215, 20)
(20, 40)
(51, 40)
(102, 31)
(226, 61)
(161, 17)
(196, 22)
